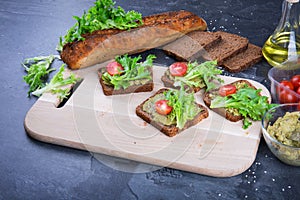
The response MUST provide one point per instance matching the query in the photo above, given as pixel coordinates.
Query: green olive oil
(277, 48)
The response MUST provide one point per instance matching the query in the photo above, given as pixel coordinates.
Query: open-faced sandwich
(171, 111)
(192, 75)
(127, 75)
(238, 100)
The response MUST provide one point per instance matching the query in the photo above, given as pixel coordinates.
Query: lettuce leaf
(103, 15)
(200, 75)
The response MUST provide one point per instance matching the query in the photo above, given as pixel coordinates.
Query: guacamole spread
(286, 129)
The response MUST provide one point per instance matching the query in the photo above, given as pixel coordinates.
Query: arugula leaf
(200, 75)
(184, 106)
(133, 71)
(38, 70)
(56, 83)
(103, 15)
(247, 101)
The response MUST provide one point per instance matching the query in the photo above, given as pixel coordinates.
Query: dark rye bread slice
(170, 130)
(208, 97)
(192, 46)
(243, 60)
(228, 47)
(109, 90)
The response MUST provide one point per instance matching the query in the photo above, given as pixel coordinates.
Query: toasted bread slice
(229, 115)
(109, 90)
(169, 130)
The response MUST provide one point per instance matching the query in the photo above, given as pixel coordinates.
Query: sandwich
(236, 101)
(192, 75)
(127, 75)
(171, 111)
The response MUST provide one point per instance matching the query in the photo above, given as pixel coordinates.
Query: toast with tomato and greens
(192, 75)
(127, 75)
(171, 111)
(236, 101)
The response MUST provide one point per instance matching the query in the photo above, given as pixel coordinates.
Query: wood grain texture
(108, 125)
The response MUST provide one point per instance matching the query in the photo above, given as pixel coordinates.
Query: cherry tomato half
(162, 107)
(287, 84)
(286, 96)
(295, 80)
(114, 68)
(226, 90)
(178, 68)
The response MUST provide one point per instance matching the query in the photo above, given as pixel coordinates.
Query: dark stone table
(30, 169)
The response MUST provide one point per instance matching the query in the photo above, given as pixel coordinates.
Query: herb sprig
(55, 86)
(200, 75)
(247, 101)
(133, 70)
(103, 15)
(38, 70)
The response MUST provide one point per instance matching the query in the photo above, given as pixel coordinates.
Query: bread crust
(109, 90)
(222, 111)
(103, 45)
(170, 130)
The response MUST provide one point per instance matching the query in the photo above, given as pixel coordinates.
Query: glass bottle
(283, 46)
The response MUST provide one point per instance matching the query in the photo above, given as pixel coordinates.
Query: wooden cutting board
(108, 125)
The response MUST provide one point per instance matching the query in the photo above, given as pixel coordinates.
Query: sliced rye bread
(169, 130)
(109, 90)
(208, 97)
(228, 47)
(244, 60)
(192, 46)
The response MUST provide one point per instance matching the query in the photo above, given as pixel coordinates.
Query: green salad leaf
(56, 83)
(200, 75)
(133, 71)
(103, 15)
(38, 70)
(247, 101)
(184, 106)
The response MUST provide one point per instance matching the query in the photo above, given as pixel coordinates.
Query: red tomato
(286, 96)
(226, 90)
(298, 90)
(295, 80)
(287, 84)
(114, 68)
(178, 69)
(162, 107)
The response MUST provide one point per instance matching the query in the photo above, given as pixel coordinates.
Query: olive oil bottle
(283, 46)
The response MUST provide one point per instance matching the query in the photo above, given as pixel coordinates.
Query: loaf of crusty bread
(156, 30)
(208, 97)
(170, 130)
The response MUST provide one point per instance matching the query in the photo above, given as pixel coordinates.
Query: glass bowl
(276, 75)
(286, 153)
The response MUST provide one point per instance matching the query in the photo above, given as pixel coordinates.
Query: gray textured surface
(30, 169)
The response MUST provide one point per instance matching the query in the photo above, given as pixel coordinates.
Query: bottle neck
(289, 21)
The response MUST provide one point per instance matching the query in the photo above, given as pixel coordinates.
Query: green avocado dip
(286, 129)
